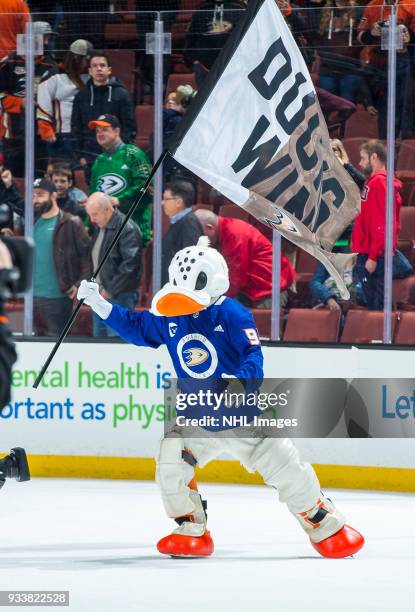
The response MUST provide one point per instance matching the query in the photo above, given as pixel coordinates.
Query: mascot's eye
(201, 281)
(174, 282)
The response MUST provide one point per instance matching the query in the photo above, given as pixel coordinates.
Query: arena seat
(405, 165)
(144, 117)
(202, 206)
(352, 146)
(262, 318)
(120, 32)
(403, 293)
(406, 236)
(407, 193)
(405, 330)
(80, 180)
(234, 211)
(361, 124)
(407, 223)
(123, 66)
(177, 79)
(306, 325)
(365, 327)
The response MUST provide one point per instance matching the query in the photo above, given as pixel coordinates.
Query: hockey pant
(276, 459)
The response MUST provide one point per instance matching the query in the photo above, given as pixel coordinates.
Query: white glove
(89, 292)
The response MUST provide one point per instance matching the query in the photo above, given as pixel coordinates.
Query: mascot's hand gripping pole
(71, 320)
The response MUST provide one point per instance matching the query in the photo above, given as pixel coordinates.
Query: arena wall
(100, 412)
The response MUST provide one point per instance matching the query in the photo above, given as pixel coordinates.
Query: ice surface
(97, 539)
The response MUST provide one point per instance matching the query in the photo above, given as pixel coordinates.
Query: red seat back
(365, 327)
(306, 325)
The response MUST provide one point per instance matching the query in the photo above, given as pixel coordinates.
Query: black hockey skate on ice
(14, 466)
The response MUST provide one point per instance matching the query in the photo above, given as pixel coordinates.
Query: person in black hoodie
(103, 94)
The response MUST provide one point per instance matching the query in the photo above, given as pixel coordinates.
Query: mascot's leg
(176, 460)
(280, 465)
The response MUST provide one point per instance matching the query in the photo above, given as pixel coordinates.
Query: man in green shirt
(61, 260)
(120, 172)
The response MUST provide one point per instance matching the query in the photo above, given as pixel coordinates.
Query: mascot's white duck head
(198, 276)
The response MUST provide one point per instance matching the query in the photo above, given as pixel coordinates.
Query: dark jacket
(7, 358)
(122, 270)
(69, 204)
(71, 254)
(12, 198)
(183, 233)
(90, 103)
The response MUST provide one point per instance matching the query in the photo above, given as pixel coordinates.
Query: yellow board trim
(143, 468)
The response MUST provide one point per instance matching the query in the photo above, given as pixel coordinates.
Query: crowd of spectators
(89, 169)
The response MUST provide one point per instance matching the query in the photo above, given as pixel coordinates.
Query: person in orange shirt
(375, 18)
(13, 17)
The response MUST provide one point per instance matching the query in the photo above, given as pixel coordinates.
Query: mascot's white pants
(276, 459)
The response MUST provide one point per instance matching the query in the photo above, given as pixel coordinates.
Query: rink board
(99, 413)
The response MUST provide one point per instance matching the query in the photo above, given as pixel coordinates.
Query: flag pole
(128, 216)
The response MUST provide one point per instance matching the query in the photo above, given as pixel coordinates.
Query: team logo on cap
(197, 356)
(111, 184)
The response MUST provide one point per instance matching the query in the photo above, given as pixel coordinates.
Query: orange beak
(177, 304)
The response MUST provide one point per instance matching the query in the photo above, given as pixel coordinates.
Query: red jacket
(368, 236)
(249, 257)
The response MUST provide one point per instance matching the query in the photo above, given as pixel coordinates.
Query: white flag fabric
(256, 133)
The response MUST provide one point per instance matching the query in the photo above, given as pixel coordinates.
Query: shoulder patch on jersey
(252, 335)
(365, 193)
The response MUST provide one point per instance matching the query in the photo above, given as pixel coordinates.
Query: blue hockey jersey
(222, 339)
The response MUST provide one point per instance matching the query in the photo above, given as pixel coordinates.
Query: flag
(256, 133)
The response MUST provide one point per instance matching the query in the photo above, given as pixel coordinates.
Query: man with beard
(61, 260)
(368, 235)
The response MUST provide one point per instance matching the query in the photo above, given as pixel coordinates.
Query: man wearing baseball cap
(61, 260)
(120, 171)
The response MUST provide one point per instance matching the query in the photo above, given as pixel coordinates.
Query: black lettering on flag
(257, 76)
(296, 204)
(261, 154)
(290, 125)
(307, 161)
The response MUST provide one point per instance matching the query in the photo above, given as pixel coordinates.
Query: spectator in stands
(55, 98)
(120, 172)
(341, 154)
(102, 94)
(375, 18)
(67, 200)
(210, 29)
(10, 195)
(61, 260)
(248, 254)
(340, 70)
(368, 236)
(76, 194)
(12, 101)
(120, 275)
(177, 103)
(185, 228)
(14, 14)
